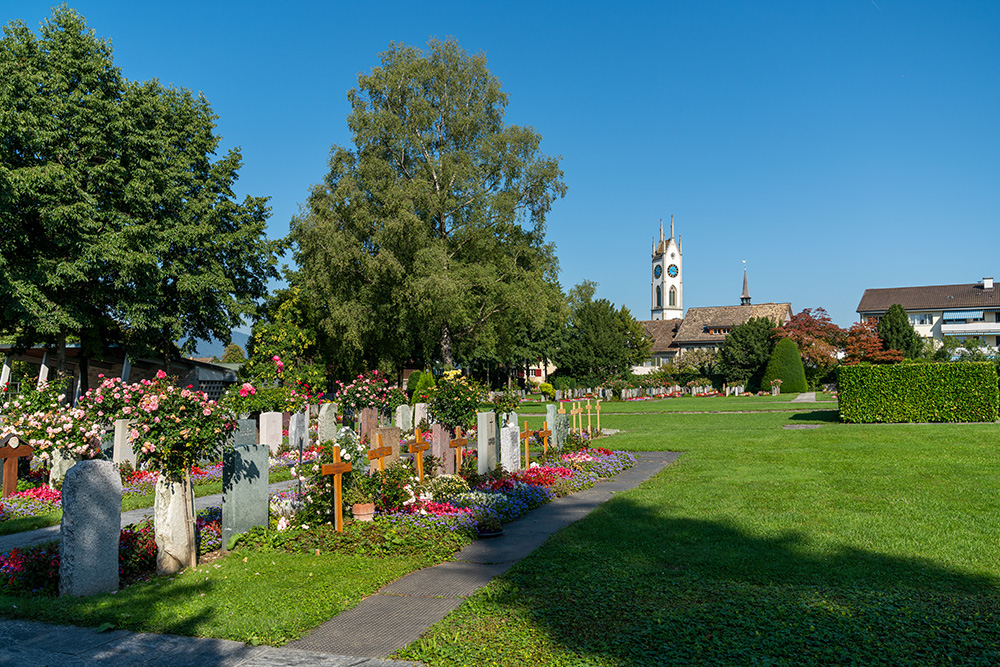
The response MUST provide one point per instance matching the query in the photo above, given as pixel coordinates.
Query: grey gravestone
(509, 419)
(173, 525)
(91, 528)
(510, 449)
(551, 411)
(486, 446)
(270, 430)
(61, 463)
(297, 431)
(404, 417)
(327, 422)
(420, 414)
(391, 436)
(367, 423)
(244, 483)
(559, 394)
(123, 446)
(561, 430)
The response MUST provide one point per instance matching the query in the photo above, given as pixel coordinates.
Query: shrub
(454, 401)
(786, 365)
(547, 389)
(947, 392)
(412, 381)
(445, 487)
(421, 391)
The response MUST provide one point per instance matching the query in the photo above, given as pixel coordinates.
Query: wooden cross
(337, 469)
(10, 452)
(379, 453)
(589, 430)
(598, 419)
(417, 448)
(525, 435)
(544, 435)
(457, 444)
(577, 411)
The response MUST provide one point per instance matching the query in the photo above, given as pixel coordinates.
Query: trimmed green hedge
(786, 365)
(945, 392)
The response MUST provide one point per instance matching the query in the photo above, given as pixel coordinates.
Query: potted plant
(360, 495)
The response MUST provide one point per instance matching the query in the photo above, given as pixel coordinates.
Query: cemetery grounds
(767, 545)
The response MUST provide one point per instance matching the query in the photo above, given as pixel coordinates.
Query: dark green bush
(947, 392)
(412, 381)
(786, 365)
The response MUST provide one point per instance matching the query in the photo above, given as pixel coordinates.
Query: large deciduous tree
(119, 226)
(818, 340)
(430, 230)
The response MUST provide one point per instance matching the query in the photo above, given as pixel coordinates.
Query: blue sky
(834, 146)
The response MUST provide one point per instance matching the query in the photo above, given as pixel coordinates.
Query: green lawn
(780, 403)
(860, 545)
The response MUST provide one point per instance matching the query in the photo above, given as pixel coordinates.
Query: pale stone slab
(367, 423)
(297, 435)
(90, 529)
(551, 411)
(441, 449)
(327, 422)
(510, 449)
(244, 483)
(270, 430)
(404, 417)
(123, 446)
(486, 441)
(561, 431)
(420, 414)
(391, 435)
(173, 525)
(509, 419)
(61, 463)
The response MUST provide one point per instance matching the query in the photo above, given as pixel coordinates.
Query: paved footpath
(403, 609)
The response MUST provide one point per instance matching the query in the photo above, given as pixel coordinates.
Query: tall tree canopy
(119, 226)
(428, 236)
(746, 351)
(898, 334)
(818, 339)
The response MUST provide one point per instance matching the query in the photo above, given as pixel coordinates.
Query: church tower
(667, 287)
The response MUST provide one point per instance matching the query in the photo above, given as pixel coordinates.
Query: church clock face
(658, 271)
(671, 271)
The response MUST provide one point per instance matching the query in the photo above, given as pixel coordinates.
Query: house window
(673, 296)
(921, 318)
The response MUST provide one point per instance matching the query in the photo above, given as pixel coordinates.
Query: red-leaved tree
(818, 340)
(862, 343)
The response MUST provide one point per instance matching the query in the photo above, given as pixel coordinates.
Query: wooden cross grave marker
(337, 469)
(10, 452)
(379, 453)
(417, 448)
(458, 444)
(599, 419)
(526, 435)
(589, 429)
(577, 411)
(544, 435)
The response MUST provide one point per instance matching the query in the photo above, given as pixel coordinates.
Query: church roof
(698, 322)
(662, 332)
(931, 297)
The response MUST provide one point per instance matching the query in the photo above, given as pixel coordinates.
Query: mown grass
(130, 502)
(860, 545)
(780, 403)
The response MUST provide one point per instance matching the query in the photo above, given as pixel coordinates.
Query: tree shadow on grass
(630, 587)
(824, 416)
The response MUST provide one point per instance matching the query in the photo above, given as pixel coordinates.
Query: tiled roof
(692, 329)
(931, 297)
(662, 332)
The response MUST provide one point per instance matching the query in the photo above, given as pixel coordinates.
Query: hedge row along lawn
(780, 403)
(842, 545)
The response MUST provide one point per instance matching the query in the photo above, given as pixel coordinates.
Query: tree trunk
(446, 353)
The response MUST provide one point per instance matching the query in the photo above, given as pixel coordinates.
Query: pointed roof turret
(745, 298)
(671, 225)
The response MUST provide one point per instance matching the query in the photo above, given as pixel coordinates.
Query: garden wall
(946, 392)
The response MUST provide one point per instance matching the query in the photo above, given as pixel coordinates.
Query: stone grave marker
(297, 435)
(420, 414)
(327, 422)
(90, 529)
(378, 452)
(270, 430)
(510, 452)
(561, 430)
(440, 439)
(509, 419)
(244, 482)
(404, 417)
(486, 444)
(61, 463)
(458, 444)
(550, 414)
(367, 423)
(391, 435)
(123, 446)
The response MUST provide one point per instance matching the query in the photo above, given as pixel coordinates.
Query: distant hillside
(214, 348)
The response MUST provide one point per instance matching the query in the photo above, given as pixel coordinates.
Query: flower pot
(363, 511)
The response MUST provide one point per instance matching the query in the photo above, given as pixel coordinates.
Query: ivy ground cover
(841, 545)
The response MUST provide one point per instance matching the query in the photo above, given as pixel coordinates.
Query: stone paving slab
(378, 626)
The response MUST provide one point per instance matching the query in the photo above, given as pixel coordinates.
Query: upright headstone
(510, 448)
(551, 412)
(440, 437)
(91, 527)
(297, 431)
(327, 422)
(62, 461)
(420, 414)
(404, 417)
(486, 445)
(509, 419)
(367, 423)
(270, 430)
(244, 482)
(391, 436)
(561, 430)
(123, 444)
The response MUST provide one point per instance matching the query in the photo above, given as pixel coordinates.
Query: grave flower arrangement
(369, 390)
(454, 400)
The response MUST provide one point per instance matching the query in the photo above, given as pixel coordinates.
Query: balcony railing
(971, 329)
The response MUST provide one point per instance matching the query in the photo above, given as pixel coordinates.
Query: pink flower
(160, 374)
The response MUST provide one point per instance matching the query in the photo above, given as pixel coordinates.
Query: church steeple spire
(671, 225)
(661, 232)
(745, 298)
